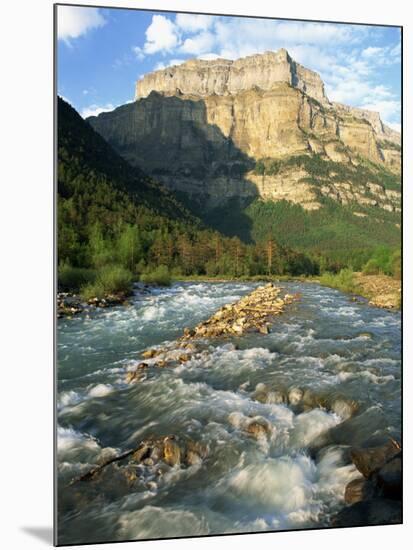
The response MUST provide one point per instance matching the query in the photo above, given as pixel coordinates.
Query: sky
(103, 51)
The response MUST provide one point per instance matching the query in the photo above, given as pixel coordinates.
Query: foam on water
(100, 390)
(247, 482)
(160, 522)
(309, 425)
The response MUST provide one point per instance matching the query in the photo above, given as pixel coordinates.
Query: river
(292, 480)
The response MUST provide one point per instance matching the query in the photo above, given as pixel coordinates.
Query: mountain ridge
(241, 158)
(207, 141)
(224, 76)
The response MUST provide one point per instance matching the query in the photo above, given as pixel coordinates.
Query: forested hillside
(115, 224)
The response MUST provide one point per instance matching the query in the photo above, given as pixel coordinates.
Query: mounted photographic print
(228, 334)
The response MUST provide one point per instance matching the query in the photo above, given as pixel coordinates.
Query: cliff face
(222, 76)
(201, 127)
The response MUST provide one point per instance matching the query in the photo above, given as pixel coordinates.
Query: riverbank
(380, 290)
(69, 304)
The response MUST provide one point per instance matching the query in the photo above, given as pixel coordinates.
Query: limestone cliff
(202, 126)
(222, 76)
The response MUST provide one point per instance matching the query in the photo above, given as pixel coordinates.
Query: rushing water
(324, 342)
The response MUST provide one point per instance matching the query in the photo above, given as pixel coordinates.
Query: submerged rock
(357, 490)
(133, 376)
(171, 452)
(153, 457)
(137, 374)
(377, 511)
(295, 396)
(389, 478)
(258, 428)
(149, 353)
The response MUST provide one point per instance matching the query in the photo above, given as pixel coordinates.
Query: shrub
(115, 278)
(396, 264)
(71, 279)
(110, 279)
(344, 280)
(159, 276)
(92, 290)
(259, 167)
(372, 267)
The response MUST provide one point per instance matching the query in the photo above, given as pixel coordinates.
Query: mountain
(225, 135)
(97, 188)
(82, 151)
(111, 215)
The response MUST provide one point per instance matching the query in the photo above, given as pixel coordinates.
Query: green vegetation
(386, 144)
(159, 276)
(73, 278)
(115, 224)
(385, 261)
(343, 280)
(110, 279)
(320, 169)
(333, 237)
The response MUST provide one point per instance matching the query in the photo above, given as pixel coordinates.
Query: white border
(26, 273)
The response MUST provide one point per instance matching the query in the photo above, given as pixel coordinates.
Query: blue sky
(102, 52)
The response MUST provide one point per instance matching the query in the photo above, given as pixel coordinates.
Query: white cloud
(395, 126)
(388, 55)
(193, 23)
(201, 43)
(162, 65)
(312, 57)
(95, 110)
(348, 57)
(161, 36)
(371, 51)
(316, 33)
(208, 56)
(138, 52)
(74, 21)
(159, 66)
(389, 109)
(176, 62)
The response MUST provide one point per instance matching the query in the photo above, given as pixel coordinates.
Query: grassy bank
(344, 281)
(380, 290)
(95, 283)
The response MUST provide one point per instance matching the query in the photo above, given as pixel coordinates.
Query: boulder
(258, 428)
(171, 451)
(357, 490)
(389, 478)
(371, 459)
(141, 453)
(149, 353)
(295, 396)
(377, 511)
(134, 376)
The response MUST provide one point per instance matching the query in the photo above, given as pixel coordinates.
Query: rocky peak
(224, 77)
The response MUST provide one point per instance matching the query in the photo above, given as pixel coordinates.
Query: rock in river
(171, 451)
(372, 459)
(378, 511)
